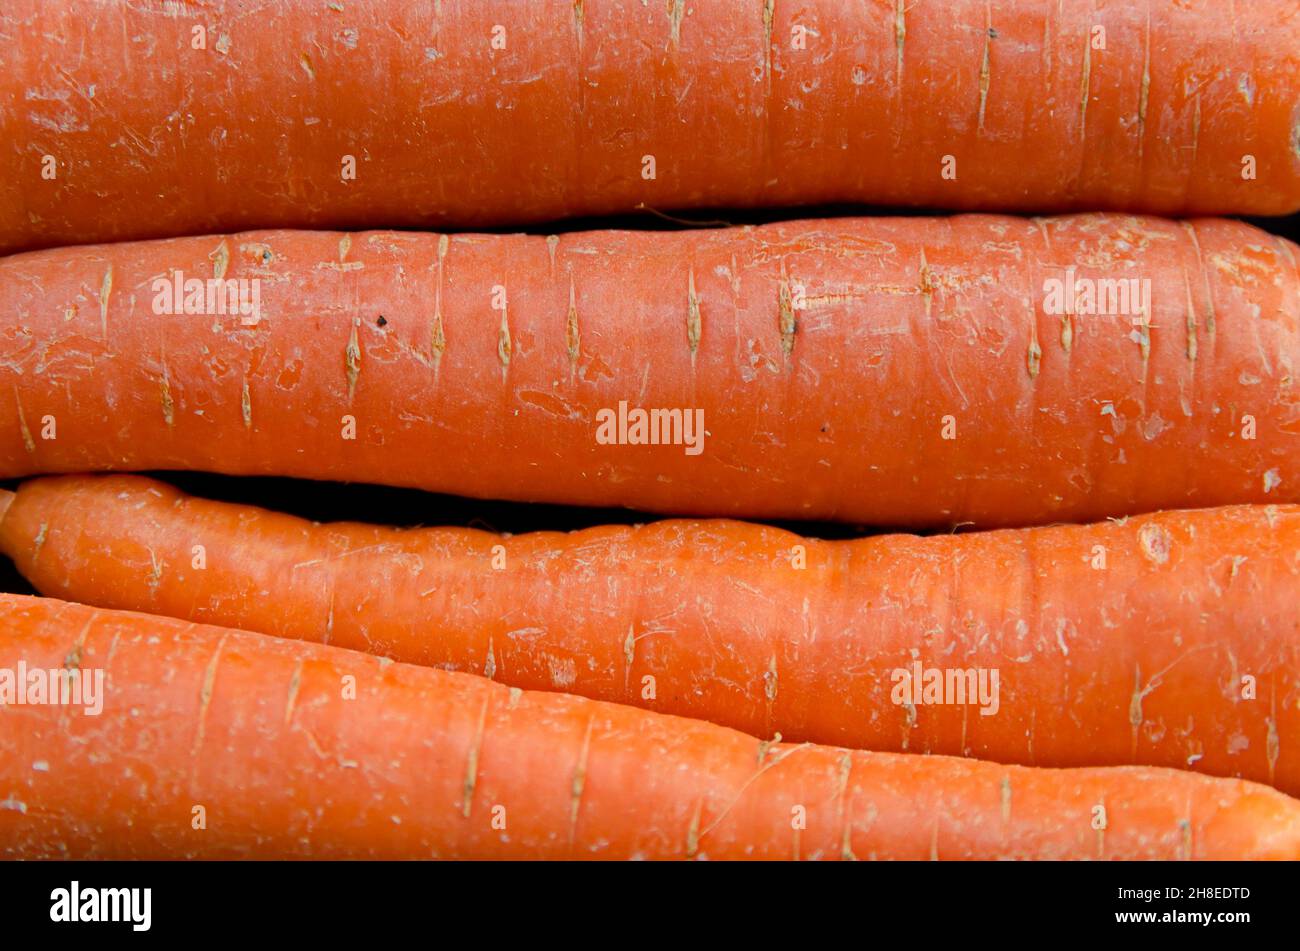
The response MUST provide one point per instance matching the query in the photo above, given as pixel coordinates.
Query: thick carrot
(379, 112)
(219, 743)
(810, 366)
(1166, 640)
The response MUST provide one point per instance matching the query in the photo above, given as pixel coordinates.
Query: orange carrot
(461, 114)
(884, 371)
(220, 743)
(1165, 640)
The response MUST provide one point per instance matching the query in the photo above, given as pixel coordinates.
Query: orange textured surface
(829, 359)
(1117, 643)
(152, 137)
(420, 763)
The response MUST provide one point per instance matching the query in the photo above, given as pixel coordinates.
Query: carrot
(1167, 640)
(809, 366)
(470, 114)
(219, 743)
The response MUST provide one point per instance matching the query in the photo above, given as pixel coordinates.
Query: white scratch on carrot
(900, 36)
(105, 288)
(471, 766)
(352, 359)
(986, 64)
(437, 341)
(28, 443)
(220, 260)
(205, 698)
(675, 10)
(1145, 94)
(294, 683)
(579, 781)
(572, 338)
(692, 315)
(1085, 87)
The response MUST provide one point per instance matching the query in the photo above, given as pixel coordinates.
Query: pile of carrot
(229, 744)
(1108, 666)
(1160, 640)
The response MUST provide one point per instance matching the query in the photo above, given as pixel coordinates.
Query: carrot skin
(258, 732)
(825, 357)
(1165, 640)
(476, 114)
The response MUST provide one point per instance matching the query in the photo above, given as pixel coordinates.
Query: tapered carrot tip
(6, 500)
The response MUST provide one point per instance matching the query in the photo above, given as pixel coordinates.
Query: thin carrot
(1164, 640)
(796, 369)
(467, 114)
(219, 743)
